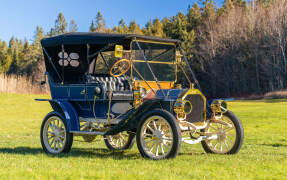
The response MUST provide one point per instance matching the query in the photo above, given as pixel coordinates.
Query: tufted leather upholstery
(114, 83)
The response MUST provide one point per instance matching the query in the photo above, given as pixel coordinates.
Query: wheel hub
(221, 135)
(158, 136)
(57, 133)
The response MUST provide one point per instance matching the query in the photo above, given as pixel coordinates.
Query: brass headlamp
(182, 108)
(218, 106)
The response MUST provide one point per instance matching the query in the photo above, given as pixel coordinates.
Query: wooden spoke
(156, 150)
(150, 128)
(226, 145)
(154, 124)
(161, 147)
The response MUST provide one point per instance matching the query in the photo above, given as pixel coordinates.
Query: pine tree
(167, 27)
(13, 68)
(26, 46)
(193, 17)
(134, 28)
(51, 33)
(100, 23)
(178, 27)
(38, 35)
(123, 29)
(60, 24)
(8, 62)
(36, 52)
(3, 54)
(148, 29)
(12, 44)
(209, 11)
(92, 27)
(73, 27)
(157, 28)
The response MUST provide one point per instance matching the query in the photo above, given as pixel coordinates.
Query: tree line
(235, 50)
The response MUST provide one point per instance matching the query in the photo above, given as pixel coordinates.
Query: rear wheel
(55, 138)
(230, 134)
(158, 135)
(120, 141)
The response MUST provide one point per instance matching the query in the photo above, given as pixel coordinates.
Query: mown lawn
(263, 154)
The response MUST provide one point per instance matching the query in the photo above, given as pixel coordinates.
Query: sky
(19, 18)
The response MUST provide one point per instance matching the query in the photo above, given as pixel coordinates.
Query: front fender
(66, 109)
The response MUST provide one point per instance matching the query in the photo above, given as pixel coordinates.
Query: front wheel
(120, 141)
(55, 138)
(229, 132)
(158, 135)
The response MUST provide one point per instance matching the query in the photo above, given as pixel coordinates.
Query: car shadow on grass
(75, 152)
(191, 153)
(274, 145)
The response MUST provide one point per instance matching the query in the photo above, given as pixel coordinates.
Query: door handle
(83, 91)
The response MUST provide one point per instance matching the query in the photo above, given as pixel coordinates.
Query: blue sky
(19, 18)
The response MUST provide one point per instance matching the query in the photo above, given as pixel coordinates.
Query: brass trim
(186, 76)
(155, 62)
(154, 42)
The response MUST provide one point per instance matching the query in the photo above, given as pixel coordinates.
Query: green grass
(263, 154)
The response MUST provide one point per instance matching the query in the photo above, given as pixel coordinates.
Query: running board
(80, 133)
(104, 121)
(198, 140)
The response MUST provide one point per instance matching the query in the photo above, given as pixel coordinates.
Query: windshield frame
(153, 61)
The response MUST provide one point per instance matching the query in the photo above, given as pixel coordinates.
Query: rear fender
(67, 111)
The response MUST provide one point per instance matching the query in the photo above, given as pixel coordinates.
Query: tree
(100, 23)
(51, 33)
(123, 29)
(157, 28)
(193, 17)
(179, 27)
(208, 10)
(92, 27)
(134, 28)
(8, 62)
(148, 29)
(73, 27)
(60, 24)
(35, 53)
(3, 54)
(14, 66)
(38, 36)
(167, 27)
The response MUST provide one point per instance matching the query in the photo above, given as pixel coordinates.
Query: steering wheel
(120, 67)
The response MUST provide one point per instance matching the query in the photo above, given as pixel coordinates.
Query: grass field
(263, 154)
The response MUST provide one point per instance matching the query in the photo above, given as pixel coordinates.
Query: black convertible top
(96, 39)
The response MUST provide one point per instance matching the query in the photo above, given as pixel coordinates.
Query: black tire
(173, 125)
(68, 138)
(128, 145)
(239, 135)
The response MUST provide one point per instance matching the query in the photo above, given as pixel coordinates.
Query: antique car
(128, 87)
